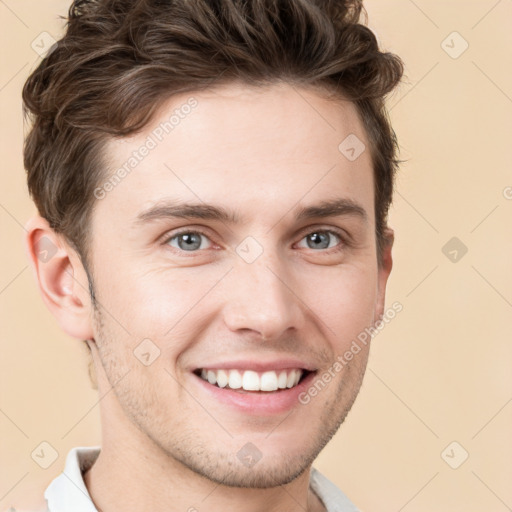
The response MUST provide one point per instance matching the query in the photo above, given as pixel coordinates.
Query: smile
(250, 380)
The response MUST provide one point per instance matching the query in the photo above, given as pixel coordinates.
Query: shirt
(68, 493)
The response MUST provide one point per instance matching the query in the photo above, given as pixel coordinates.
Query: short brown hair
(119, 60)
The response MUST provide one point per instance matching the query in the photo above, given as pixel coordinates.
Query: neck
(136, 477)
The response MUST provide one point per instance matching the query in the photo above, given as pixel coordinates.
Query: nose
(260, 298)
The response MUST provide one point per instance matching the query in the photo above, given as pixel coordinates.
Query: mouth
(254, 386)
(252, 381)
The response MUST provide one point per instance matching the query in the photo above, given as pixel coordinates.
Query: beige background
(440, 372)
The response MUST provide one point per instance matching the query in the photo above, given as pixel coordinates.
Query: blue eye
(321, 239)
(194, 241)
(188, 241)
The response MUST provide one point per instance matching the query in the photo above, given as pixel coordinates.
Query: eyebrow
(331, 208)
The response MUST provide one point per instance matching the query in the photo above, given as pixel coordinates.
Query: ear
(61, 278)
(384, 270)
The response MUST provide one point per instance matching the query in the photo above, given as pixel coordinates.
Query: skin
(263, 154)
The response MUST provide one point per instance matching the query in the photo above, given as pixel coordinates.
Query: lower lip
(262, 403)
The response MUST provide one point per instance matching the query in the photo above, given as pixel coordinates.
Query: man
(213, 180)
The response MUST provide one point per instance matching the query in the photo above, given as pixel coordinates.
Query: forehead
(258, 149)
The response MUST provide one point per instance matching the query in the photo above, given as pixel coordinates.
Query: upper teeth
(253, 381)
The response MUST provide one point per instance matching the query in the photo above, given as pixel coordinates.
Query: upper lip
(259, 365)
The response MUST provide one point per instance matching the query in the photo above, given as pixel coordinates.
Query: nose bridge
(260, 298)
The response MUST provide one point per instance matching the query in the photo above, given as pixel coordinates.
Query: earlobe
(61, 278)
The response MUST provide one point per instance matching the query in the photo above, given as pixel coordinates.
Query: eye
(193, 241)
(322, 239)
(189, 241)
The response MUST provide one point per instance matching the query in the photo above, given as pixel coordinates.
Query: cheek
(344, 300)
(158, 304)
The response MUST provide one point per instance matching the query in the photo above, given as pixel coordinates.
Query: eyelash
(343, 239)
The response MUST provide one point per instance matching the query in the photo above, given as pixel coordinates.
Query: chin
(274, 473)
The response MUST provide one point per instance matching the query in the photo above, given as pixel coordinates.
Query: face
(233, 264)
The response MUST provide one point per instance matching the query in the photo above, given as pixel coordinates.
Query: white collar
(68, 491)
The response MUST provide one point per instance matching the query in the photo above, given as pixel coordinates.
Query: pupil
(319, 240)
(189, 242)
